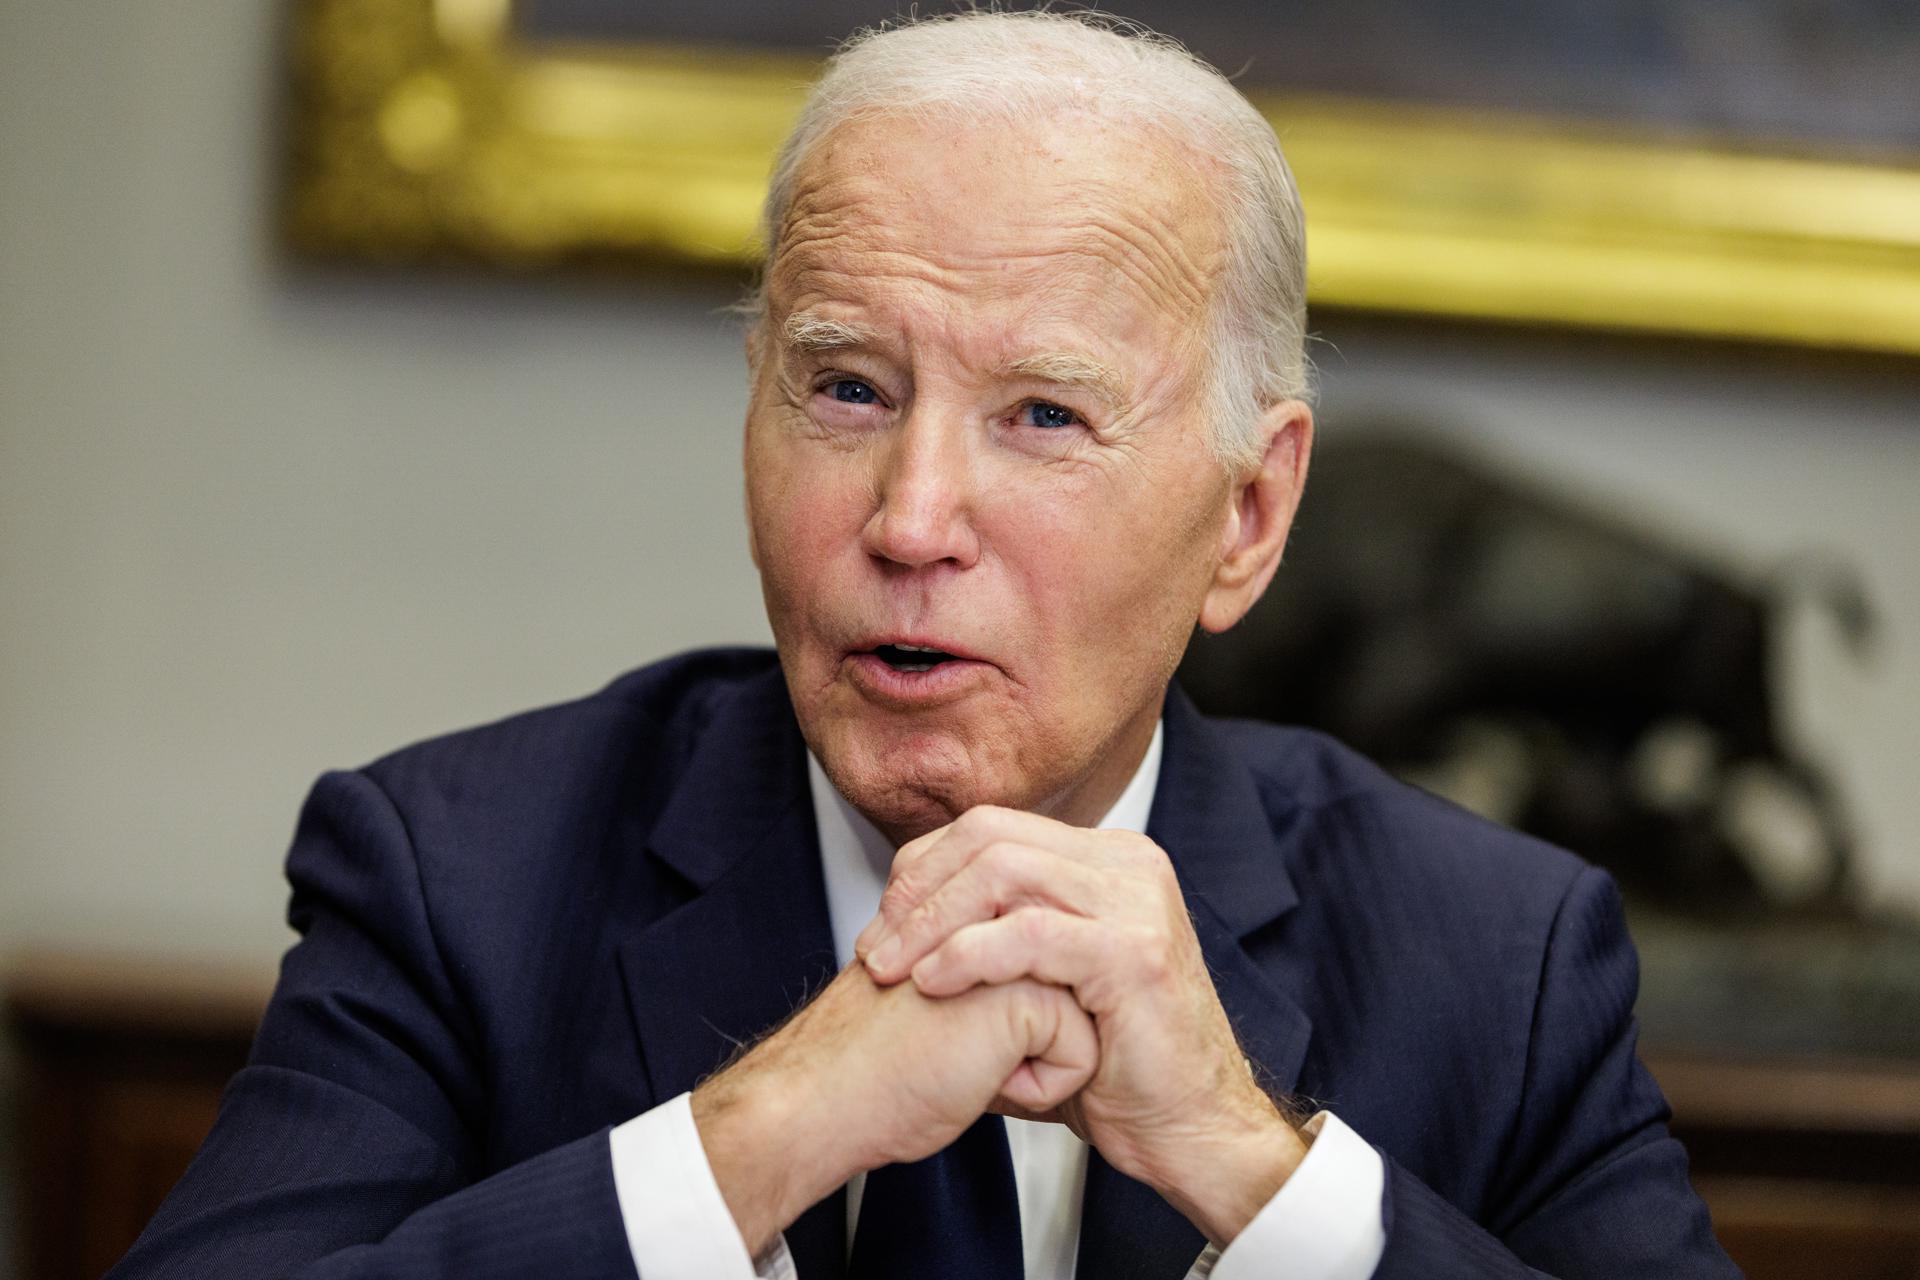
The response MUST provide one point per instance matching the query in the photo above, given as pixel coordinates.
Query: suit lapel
(755, 941)
(1209, 817)
(1208, 814)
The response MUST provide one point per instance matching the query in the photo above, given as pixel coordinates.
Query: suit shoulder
(1357, 821)
(652, 711)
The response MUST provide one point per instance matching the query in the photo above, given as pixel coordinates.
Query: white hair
(1004, 67)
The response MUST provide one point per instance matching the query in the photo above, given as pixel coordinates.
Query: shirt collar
(856, 857)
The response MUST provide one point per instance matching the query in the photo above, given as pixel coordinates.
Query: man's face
(978, 427)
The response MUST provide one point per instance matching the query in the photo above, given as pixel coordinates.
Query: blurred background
(294, 471)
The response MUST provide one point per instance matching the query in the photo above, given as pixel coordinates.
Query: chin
(907, 783)
(905, 787)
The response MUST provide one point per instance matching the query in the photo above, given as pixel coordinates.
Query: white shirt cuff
(677, 1222)
(1323, 1224)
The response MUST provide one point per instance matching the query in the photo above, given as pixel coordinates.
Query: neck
(1089, 800)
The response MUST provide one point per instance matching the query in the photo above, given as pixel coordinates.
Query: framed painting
(1737, 168)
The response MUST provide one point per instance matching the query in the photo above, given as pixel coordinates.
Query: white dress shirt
(1324, 1224)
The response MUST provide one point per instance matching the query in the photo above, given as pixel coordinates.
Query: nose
(923, 503)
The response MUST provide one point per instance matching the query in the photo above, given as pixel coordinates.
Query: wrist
(757, 1131)
(1220, 1180)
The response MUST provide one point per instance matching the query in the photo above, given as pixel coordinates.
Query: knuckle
(1151, 951)
(999, 862)
(934, 965)
(899, 898)
(1155, 863)
(1034, 927)
(964, 949)
(1147, 854)
(922, 921)
(913, 852)
(975, 821)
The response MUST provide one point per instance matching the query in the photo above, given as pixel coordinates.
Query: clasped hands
(1017, 965)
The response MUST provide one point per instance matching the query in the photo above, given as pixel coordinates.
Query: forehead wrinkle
(1171, 254)
(1164, 233)
(847, 266)
(1083, 269)
(1157, 258)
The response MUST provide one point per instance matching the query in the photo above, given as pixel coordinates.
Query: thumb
(1062, 1053)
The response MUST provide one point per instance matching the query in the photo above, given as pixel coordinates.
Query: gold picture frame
(426, 130)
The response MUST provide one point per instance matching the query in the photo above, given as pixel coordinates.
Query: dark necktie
(952, 1216)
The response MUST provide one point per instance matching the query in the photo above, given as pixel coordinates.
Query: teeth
(915, 648)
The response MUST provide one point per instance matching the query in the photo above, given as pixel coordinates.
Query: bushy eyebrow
(809, 332)
(805, 331)
(1071, 369)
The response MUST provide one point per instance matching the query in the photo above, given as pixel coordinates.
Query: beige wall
(256, 522)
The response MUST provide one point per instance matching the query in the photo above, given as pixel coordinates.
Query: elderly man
(1027, 408)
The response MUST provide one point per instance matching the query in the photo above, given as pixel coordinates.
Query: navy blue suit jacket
(516, 937)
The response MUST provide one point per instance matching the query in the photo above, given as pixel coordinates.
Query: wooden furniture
(1812, 1170)
(122, 1061)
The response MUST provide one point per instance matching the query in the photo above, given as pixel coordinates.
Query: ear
(1263, 503)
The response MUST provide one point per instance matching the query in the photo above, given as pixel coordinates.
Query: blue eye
(1039, 413)
(854, 391)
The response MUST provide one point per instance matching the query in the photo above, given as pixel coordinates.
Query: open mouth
(912, 658)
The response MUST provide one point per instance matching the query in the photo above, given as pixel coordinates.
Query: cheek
(804, 510)
(1112, 579)
(1070, 562)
